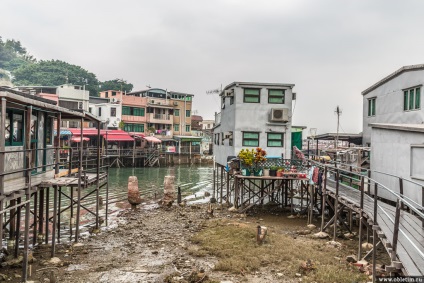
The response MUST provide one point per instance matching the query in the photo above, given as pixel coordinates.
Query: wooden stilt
(34, 223)
(336, 204)
(46, 238)
(81, 149)
(18, 227)
(41, 214)
(53, 250)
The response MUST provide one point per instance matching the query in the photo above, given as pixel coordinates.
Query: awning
(63, 132)
(118, 137)
(188, 138)
(152, 139)
(78, 139)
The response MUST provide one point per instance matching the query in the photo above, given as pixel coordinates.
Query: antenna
(338, 112)
(148, 86)
(215, 90)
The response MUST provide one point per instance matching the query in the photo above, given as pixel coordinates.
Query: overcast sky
(331, 50)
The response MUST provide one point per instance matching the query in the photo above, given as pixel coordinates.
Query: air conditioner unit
(279, 115)
(158, 102)
(175, 103)
(229, 92)
(152, 102)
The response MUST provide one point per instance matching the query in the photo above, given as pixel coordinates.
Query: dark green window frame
(252, 95)
(276, 96)
(126, 110)
(176, 127)
(275, 139)
(177, 112)
(412, 99)
(187, 128)
(133, 111)
(188, 113)
(371, 106)
(12, 115)
(134, 128)
(251, 139)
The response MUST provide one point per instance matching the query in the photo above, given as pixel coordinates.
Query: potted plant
(246, 157)
(280, 172)
(260, 158)
(266, 171)
(273, 171)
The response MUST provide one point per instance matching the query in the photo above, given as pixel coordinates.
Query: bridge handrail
(402, 196)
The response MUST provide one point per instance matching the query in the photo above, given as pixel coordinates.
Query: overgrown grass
(234, 244)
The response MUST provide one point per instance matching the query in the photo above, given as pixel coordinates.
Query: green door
(34, 142)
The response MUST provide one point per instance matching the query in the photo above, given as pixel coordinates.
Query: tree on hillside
(13, 55)
(116, 84)
(54, 73)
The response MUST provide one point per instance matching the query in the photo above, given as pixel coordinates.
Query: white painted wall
(105, 113)
(391, 153)
(74, 93)
(252, 117)
(389, 103)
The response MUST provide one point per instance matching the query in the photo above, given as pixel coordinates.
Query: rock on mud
(133, 193)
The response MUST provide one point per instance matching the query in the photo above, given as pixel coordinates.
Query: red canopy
(119, 137)
(78, 139)
(152, 139)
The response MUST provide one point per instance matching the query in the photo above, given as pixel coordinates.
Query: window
(90, 109)
(126, 110)
(176, 127)
(250, 139)
(80, 105)
(252, 95)
(134, 128)
(371, 106)
(106, 94)
(113, 93)
(230, 140)
(412, 99)
(100, 111)
(49, 130)
(222, 138)
(188, 113)
(275, 139)
(14, 128)
(137, 111)
(231, 100)
(217, 139)
(276, 96)
(133, 111)
(177, 112)
(112, 112)
(187, 128)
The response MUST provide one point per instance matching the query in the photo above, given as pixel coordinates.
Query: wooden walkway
(410, 245)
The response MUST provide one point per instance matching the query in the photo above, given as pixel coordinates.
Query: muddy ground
(153, 244)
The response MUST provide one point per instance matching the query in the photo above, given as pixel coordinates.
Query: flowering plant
(260, 157)
(247, 157)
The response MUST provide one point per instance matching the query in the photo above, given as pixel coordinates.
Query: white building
(393, 127)
(398, 149)
(254, 115)
(396, 99)
(73, 96)
(107, 110)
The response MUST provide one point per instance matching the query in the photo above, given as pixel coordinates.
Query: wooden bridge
(398, 227)
(395, 226)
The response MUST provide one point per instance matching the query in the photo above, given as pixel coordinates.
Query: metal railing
(403, 202)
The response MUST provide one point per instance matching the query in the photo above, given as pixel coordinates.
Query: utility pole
(338, 113)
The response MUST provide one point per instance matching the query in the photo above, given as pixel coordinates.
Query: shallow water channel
(194, 181)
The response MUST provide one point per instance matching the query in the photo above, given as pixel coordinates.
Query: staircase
(152, 158)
